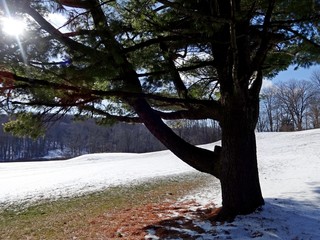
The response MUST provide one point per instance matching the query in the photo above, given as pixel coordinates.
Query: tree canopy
(179, 51)
(153, 60)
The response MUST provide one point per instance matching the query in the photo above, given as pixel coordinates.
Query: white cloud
(267, 83)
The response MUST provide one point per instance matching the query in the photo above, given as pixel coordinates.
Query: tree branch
(156, 41)
(180, 69)
(205, 108)
(194, 14)
(265, 39)
(302, 36)
(177, 81)
(76, 46)
(111, 117)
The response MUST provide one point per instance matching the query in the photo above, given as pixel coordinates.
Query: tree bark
(241, 193)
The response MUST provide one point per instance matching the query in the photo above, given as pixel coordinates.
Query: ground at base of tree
(168, 220)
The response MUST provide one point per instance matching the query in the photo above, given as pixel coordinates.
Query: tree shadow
(315, 186)
(283, 218)
(184, 223)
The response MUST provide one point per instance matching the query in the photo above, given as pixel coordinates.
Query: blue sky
(300, 74)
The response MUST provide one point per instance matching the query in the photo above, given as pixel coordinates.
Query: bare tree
(315, 79)
(269, 109)
(294, 98)
(314, 109)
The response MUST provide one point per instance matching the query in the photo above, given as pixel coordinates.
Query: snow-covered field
(289, 166)
(31, 181)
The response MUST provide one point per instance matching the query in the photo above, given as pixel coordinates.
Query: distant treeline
(67, 138)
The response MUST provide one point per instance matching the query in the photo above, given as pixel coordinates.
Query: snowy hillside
(29, 181)
(289, 166)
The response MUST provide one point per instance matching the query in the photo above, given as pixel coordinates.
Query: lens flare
(12, 26)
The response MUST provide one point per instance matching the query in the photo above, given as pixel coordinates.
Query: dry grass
(116, 213)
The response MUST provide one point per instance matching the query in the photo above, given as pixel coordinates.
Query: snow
(289, 167)
(32, 181)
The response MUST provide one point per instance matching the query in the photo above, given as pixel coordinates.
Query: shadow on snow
(277, 219)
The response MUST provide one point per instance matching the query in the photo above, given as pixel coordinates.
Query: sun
(12, 26)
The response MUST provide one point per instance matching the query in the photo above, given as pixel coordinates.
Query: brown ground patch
(116, 213)
(166, 220)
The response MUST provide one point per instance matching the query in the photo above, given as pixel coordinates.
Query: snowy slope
(30, 181)
(289, 165)
(290, 179)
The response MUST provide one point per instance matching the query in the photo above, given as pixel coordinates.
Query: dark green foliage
(25, 124)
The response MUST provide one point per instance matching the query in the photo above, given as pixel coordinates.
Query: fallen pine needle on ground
(169, 220)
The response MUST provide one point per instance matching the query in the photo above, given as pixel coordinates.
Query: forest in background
(67, 138)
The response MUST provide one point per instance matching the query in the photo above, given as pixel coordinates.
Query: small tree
(286, 125)
(149, 61)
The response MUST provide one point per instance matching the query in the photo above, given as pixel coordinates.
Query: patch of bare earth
(166, 220)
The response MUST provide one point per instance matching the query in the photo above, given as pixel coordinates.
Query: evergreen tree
(149, 61)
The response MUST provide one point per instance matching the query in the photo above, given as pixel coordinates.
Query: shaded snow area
(289, 165)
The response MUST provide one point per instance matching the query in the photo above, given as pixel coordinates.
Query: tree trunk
(241, 193)
(238, 171)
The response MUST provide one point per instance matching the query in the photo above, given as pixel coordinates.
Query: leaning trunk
(240, 185)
